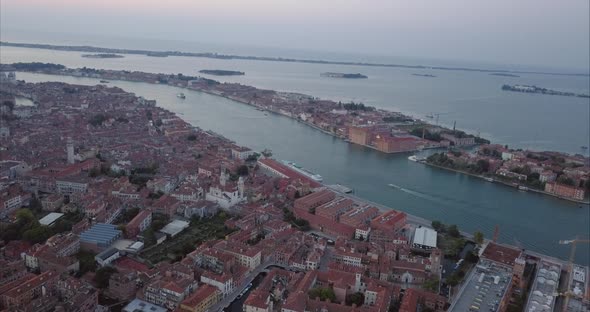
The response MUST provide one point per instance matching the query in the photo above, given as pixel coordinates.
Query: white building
(424, 238)
(71, 186)
(107, 256)
(240, 152)
(225, 283)
(225, 196)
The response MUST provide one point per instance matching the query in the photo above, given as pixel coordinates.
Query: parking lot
(485, 289)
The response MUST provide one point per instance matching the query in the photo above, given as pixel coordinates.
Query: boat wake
(414, 193)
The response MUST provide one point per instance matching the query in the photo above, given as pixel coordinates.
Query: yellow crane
(570, 270)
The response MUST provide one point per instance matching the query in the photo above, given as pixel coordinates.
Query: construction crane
(570, 270)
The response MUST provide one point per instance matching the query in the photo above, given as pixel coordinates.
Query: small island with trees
(103, 55)
(343, 75)
(535, 89)
(221, 72)
(424, 75)
(504, 75)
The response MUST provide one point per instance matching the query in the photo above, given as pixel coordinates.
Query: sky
(552, 34)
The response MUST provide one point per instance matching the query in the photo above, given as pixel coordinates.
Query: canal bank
(533, 222)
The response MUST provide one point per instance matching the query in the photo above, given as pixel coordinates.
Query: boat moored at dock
(303, 171)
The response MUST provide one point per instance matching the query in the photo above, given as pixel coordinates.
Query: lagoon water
(473, 99)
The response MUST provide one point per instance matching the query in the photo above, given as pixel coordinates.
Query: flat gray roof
(50, 218)
(174, 227)
(483, 294)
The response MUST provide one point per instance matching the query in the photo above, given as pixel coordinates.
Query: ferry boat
(104, 81)
(181, 96)
(416, 158)
(523, 188)
(303, 171)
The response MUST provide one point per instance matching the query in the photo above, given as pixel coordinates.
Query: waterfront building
(458, 141)
(386, 227)
(563, 190)
(424, 238)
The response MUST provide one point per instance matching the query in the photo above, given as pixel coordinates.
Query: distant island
(156, 54)
(535, 89)
(504, 75)
(424, 75)
(264, 58)
(103, 55)
(221, 72)
(343, 75)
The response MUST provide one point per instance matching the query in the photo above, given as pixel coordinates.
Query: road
(225, 302)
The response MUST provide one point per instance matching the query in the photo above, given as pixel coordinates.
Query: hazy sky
(532, 32)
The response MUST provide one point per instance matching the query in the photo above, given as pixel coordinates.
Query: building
(458, 141)
(563, 190)
(70, 151)
(224, 282)
(139, 223)
(107, 256)
(52, 202)
(168, 291)
(99, 237)
(174, 228)
(386, 227)
(51, 218)
(501, 255)
(542, 297)
(424, 238)
(138, 305)
(226, 195)
(419, 300)
(359, 135)
(314, 200)
(71, 185)
(31, 293)
(201, 300)
(241, 152)
(396, 144)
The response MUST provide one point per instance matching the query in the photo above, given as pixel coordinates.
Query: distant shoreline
(479, 176)
(269, 59)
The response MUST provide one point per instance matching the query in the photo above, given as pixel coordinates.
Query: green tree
(24, 216)
(87, 262)
(356, 298)
(37, 234)
(102, 276)
(478, 237)
(454, 231)
(242, 170)
(563, 179)
(431, 284)
(323, 293)
(438, 226)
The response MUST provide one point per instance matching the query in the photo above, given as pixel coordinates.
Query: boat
(303, 171)
(395, 186)
(416, 158)
(181, 96)
(104, 81)
(429, 116)
(489, 179)
(584, 147)
(523, 188)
